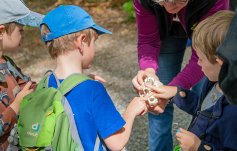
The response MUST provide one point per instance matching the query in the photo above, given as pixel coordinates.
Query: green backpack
(46, 121)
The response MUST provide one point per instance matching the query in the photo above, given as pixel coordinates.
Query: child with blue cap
(13, 84)
(70, 34)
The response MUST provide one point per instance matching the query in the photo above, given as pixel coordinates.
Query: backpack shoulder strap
(66, 86)
(72, 81)
(10, 60)
(14, 69)
(44, 81)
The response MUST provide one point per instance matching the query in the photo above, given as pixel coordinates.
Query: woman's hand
(138, 80)
(164, 91)
(187, 140)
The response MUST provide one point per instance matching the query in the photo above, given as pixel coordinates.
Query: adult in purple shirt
(163, 28)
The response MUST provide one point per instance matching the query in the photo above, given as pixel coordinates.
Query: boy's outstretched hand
(118, 140)
(25, 91)
(137, 106)
(187, 140)
(159, 107)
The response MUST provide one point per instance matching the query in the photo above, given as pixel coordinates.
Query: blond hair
(66, 43)
(210, 33)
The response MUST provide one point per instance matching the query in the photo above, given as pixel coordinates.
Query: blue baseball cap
(17, 11)
(67, 19)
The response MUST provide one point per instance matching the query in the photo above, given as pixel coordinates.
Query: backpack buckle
(48, 148)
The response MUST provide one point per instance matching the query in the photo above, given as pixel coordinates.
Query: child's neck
(1, 48)
(1, 53)
(2, 60)
(218, 88)
(68, 64)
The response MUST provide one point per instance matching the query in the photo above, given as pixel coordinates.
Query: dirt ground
(116, 61)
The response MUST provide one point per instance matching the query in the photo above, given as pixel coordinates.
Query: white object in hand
(146, 92)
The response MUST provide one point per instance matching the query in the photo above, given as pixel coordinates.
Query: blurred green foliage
(128, 7)
(45, 5)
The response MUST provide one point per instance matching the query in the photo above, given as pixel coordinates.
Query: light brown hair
(9, 27)
(66, 43)
(210, 33)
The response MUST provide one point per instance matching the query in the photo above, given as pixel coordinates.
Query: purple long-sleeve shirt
(149, 43)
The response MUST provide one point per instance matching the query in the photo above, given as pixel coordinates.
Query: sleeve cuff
(205, 147)
(181, 93)
(113, 129)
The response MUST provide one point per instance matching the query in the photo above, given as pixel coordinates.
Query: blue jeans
(170, 61)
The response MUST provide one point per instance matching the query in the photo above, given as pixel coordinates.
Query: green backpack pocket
(37, 118)
(44, 118)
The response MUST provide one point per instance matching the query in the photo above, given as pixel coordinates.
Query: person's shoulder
(227, 118)
(90, 86)
(90, 89)
(229, 111)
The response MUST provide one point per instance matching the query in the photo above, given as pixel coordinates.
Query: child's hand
(118, 140)
(159, 108)
(187, 140)
(25, 91)
(137, 106)
(97, 78)
(164, 92)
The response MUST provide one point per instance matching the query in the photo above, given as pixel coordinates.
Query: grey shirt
(211, 98)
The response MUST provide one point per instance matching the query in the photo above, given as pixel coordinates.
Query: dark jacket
(216, 125)
(228, 52)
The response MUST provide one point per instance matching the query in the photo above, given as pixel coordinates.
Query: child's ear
(79, 42)
(219, 61)
(2, 30)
